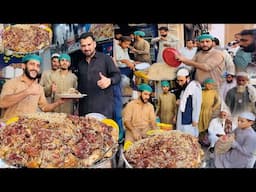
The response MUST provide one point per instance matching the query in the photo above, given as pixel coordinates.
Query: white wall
(218, 30)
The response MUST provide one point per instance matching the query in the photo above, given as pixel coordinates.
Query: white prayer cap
(242, 74)
(224, 108)
(248, 115)
(183, 72)
(230, 73)
(55, 55)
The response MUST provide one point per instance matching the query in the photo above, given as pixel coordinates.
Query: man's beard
(241, 88)
(143, 100)
(63, 68)
(183, 87)
(229, 81)
(208, 49)
(55, 68)
(90, 55)
(249, 48)
(26, 71)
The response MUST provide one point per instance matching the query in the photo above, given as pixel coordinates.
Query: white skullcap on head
(242, 74)
(230, 73)
(55, 55)
(183, 72)
(248, 115)
(225, 109)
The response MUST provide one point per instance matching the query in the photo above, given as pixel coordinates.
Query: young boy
(166, 106)
(242, 153)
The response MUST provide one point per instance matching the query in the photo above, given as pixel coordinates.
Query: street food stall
(57, 140)
(169, 149)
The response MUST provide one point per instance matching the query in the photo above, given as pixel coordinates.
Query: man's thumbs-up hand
(104, 82)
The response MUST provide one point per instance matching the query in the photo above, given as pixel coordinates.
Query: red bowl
(169, 57)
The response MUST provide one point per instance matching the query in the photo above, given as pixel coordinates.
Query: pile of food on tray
(56, 140)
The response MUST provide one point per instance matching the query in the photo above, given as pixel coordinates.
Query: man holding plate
(23, 94)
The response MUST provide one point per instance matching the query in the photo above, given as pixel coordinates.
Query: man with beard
(208, 62)
(165, 40)
(141, 48)
(242, 97)
(244, 57)
(139, 116)
(61, 82)
(96, 73)
(247, 40)
(247, 43)
(23, 94)
(189, 103)
(219, 126)
(45, 80)
(116, 41)
(227, 85)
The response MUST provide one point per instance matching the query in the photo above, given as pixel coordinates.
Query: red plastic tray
(169, 57)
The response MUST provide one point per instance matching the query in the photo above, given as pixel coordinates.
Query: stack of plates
(98, 116)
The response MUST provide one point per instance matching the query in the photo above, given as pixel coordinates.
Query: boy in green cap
(210, 104)
(166, 106)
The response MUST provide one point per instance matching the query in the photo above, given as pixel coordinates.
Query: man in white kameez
(189, 103)
(219, 126)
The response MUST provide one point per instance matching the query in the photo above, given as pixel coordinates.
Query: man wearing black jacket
(96, 73)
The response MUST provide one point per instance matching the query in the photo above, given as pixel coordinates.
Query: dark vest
(186, 116)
